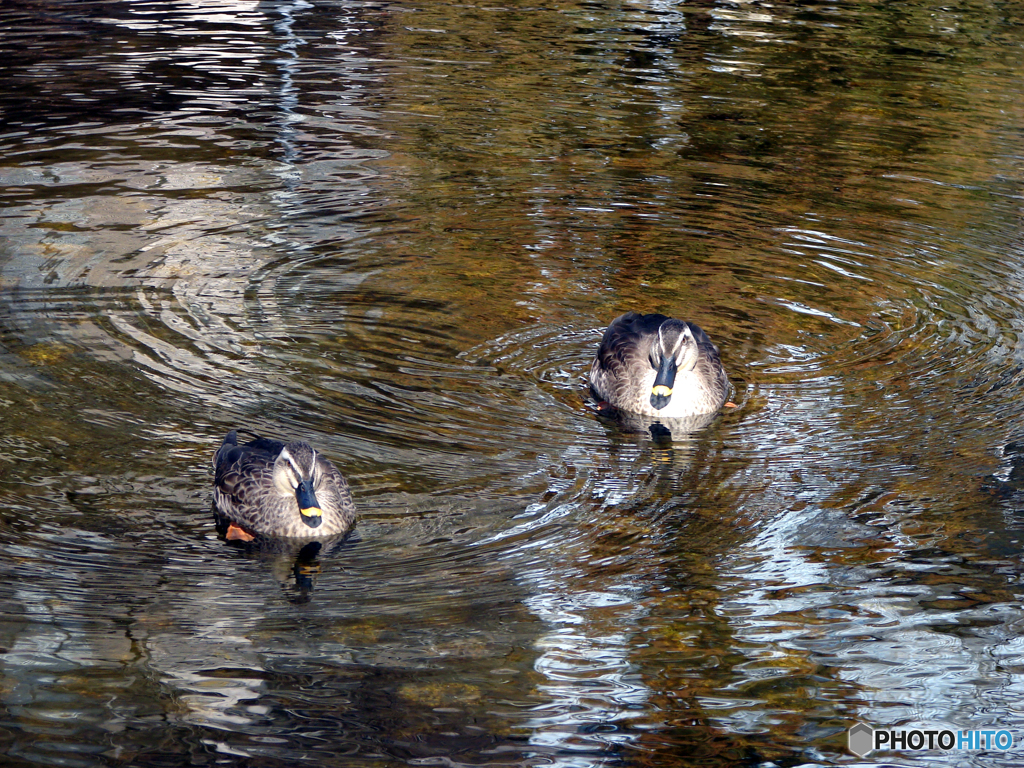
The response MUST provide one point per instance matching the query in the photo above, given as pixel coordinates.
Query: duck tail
(230, 441)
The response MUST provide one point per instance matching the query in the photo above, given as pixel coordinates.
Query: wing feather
(624, 356)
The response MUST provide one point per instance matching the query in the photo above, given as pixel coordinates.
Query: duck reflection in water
(285, 501)
(295, 564)
(655, 374)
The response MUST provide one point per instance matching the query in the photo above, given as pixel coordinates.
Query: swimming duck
(269, 488)
(654, 365)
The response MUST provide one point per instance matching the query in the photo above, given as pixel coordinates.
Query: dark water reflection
(397, 231)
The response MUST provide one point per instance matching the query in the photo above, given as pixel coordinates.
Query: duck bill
(661, 392)
(309, 507)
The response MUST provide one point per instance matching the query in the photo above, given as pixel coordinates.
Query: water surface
(397, 231)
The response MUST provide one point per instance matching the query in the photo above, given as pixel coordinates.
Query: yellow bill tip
(311, 511)
(662, 391)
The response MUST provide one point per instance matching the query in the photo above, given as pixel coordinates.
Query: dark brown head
(296, 471)
(675, 349)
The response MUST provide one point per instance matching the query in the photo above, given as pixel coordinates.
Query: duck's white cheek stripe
(294, 467)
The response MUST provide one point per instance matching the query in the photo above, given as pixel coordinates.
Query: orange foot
(234, 533)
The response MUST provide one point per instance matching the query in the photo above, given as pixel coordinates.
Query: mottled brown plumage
(269, 488)
(653, 365)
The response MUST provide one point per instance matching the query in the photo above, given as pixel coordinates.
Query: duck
(267, 488)
(654, 365)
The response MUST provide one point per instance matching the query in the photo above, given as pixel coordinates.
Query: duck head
(296, 473)
(675, 349)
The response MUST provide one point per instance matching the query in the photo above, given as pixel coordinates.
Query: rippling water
(398, 231)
